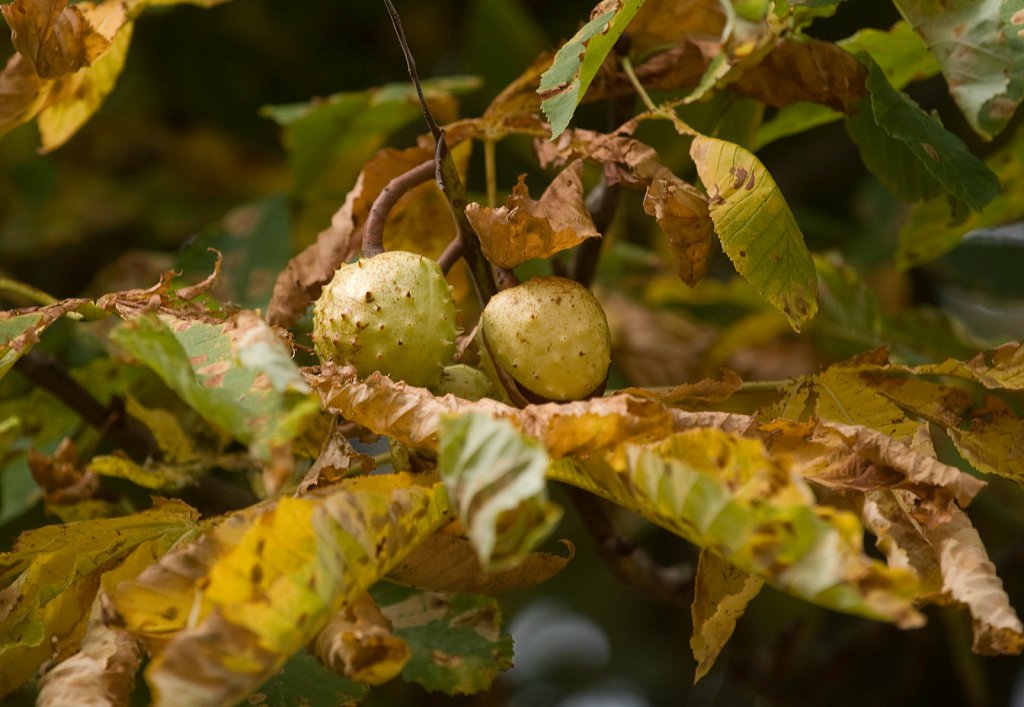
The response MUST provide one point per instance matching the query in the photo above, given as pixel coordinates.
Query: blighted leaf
(682, 213)
(981, 52)
(102, 672)
(447, 562)
(843, 397)
(52, 574)
(312, 555)
(337, 459)
(237, 374)
(358, 643)
(953, 565)
(933, 229)
(524, 229)
(304, 682)
(943, 154)
(458, 646)
(563, 86)
(412, 415)
(728, 493)
(496, 482)
(757, 230)
(721, 593)
(20, 330)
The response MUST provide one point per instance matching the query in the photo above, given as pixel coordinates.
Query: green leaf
(495, 477)
(757, 230)
(729, 494)
(20, 332)
(236, 374)
(304, 682)
(563, 86)
(932, 229)
(458, 646)
(943, 154)
(981, 51)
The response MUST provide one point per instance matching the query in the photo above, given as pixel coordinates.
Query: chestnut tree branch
(373, 234)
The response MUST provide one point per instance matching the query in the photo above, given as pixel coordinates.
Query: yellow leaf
(720, 596)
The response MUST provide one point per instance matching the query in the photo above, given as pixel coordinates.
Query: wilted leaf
(981, 52)
(682, 213)
(412, 415)
(358, 643)
(57, 39)
(20, 330)
(954, 567)
(721, 593)
(102, 672)
(756, 227)
(524, 229)
(447, 562)
(337, 459)
(312, 555)
(51, 577)
(563, 86)
(751, 507)
(496, 481)
(457, 643)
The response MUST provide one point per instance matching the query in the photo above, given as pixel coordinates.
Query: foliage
(226, 530)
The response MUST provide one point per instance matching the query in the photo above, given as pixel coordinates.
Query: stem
(490, 173)
(410, 64)
(450, 255)
(126, 431)
(602, 203)
(373, 234)
(626, 560)
(27, 291)
(627, 66)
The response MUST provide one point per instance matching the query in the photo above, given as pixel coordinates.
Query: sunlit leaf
(458, 646)
(729, 494)
(51, 576)
(496, 482)
(981, 52)
(757, 230)
(563, 86)
(312, 555)
(447, 562)
(359, 644)
(721, 593)
(524, 229)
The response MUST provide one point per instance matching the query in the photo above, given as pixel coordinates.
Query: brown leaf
(627, 160)
(682, 213)
(447, 562)
(524, 229)
(101, 673)
(412, 415)
(306, 274)
(61, 477)
(661, 23)
(336, 461)
(358, 643)
(695, 396)
(22, 93)
(806, 70)
(56, 39)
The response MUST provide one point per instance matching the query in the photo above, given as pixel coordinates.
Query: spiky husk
(551, 335)
(393, 313)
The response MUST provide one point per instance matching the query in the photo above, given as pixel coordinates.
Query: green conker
(392, 313)
(550, 334)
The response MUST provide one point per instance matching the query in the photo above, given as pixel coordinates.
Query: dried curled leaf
(56, 39)
(682, 213)
(358, 643)
(412, 415)
(721, 593)
(524, 229)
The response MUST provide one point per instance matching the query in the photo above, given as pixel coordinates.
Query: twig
(410, 64)
(626, 560)
(602, 203)
(30, 293)
(373, 234)
(127, 432)
(490, 172)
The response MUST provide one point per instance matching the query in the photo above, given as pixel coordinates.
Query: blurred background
(182, 157)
